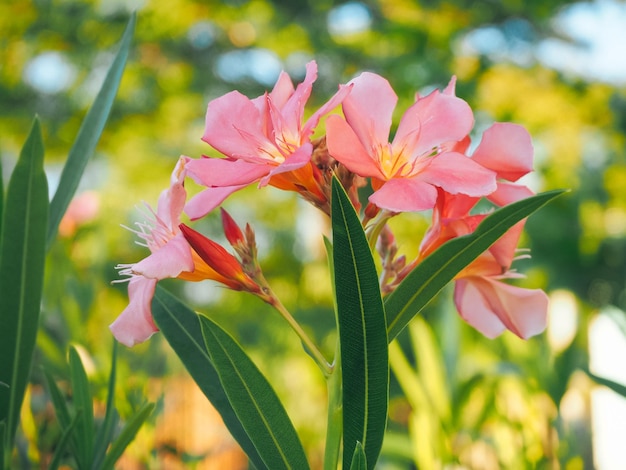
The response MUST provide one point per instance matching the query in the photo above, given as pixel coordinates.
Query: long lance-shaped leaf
(362, 333)
(181, 328)
(359, 460)
(615, 386)
(83, 404)
(22, 256)
(439, 268)
(258, 407)
(111, 418)
(88, 135)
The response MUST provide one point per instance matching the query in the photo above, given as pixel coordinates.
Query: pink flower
(171, 257)
(482, 299)
(264, 140)
(406, 172)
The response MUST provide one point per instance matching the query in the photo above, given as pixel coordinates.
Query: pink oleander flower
(407, 171)
(481, 298)
(265, 140)
(171, 257)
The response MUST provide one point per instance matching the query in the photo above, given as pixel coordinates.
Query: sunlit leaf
(89, 134)
(618, 388)
(362, 333)
(258, 407)
(432, 274)
(181, 328)
(22, 256)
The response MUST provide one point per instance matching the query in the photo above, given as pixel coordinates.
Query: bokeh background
(462, 401)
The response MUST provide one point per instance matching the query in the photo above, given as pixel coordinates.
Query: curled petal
(205, 201)
(135, 324)
(507, 149)
(172, 200)
(490, 306)
(168, 261)
(327, 107)
(225, 171)
(405, 195)
(369, 108)
(296, 160)
(456, 173)
(508, 193)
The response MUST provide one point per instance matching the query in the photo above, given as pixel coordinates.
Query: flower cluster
(425, 167)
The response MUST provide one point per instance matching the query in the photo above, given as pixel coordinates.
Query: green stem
(334, 425)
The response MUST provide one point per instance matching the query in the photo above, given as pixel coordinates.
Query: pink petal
(292, 111)
(327, 107)
(172, 200)
(135, 325)
(507, 149)
(522, 311)
(456, 173)
(505, 248)
(475, 310)
(204, 202)
(369, 109)
(345, 147)
(234, 126)
(405, 195)
(507, 193)
(282, 90)
(224, 172)
(168, 261)
(296, 160)
(439, 118)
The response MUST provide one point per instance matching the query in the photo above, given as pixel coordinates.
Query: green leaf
(260, 411)
(181, 328)
(359, 459)
(1, 200)
(111, 418)
(89, 134)
(22, 256)
(432, 274)
(362, 333)
(83, 404)
(58, 401)
(127, 435)
(616, 387)
(63, 442)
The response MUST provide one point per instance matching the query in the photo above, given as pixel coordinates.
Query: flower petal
(507, 193)
(507, 149)
(456, 173)
(205, 201)
(172, 200)
(475, 309)
(405, 195)
(327, 107)
(345, 147)
(369, 109)
(135, 325)
(296, 160)
(222, 172)
(168, 261)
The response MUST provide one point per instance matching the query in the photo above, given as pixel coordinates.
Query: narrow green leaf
(616, 387)
(181, 328)
(362, 333)
(432, 274)
(89, 134)
(126, 436)
(260, 411)
(83, 404)
(22, 256)
(1, 202)
(107, 428)
(58, 401)
(63, 442)
(359, 459)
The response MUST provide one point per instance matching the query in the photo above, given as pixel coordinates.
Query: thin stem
(317, 355)
(334, 424)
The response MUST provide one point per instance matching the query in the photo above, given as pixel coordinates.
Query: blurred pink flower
(263, 139)
(406, 172)
(82, 209)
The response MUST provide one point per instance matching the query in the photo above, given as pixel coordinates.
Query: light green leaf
(359, 459)
(22, 256)
(181, 328)
(432, 274)
(89, 134)
(260, 411)
(83, 404)
(362, 333)
(127, 435)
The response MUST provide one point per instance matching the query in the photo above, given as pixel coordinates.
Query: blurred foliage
(187, 52)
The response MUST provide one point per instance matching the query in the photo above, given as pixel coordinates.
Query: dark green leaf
(58, 401)
(88, 135)
(362, 333)
(616, 387)
(63, 442)
(359, 460)
(432, 274)
(126, 436)
(83, 404)
(111, 418)
(181, 328)
(22, 256)
(260, 411)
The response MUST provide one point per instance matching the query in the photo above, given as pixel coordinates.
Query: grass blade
(362, 333)
(88, 135)
(22, 256)
(107, 428)
(83, 404)
(432, 274)
(62, 444)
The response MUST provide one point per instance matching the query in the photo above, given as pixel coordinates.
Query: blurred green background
(558, 68)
